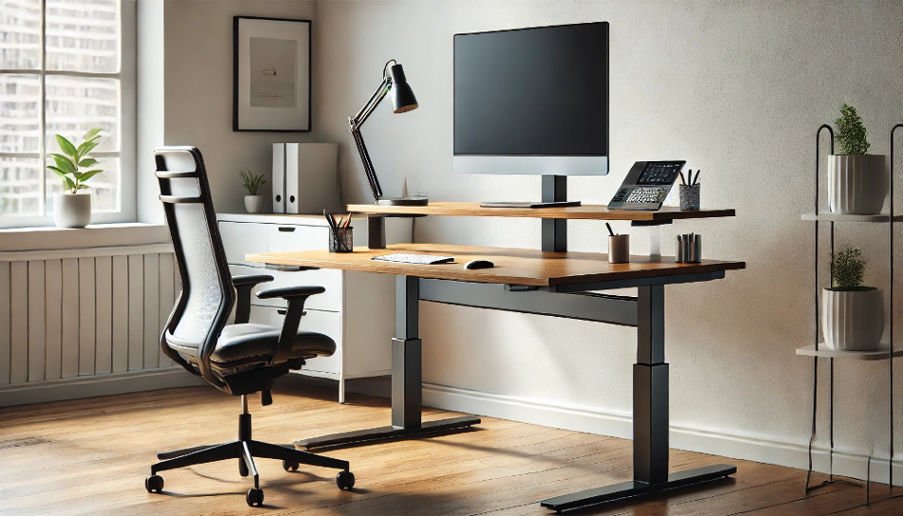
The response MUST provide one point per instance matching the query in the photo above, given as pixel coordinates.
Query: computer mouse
(479, 264)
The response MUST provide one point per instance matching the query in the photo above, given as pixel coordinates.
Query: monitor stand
(529, 204)
(404, 201)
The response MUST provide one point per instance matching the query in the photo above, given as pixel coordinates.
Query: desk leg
(406, 383)
(650, 420)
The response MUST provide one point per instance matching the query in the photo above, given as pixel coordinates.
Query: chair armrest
(290, 292)
(243, 286)
(296, 297)
(250, 279)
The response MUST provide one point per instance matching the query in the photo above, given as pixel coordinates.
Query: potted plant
(72, 208)
(252, 183)
(852, 314)
(857, 181)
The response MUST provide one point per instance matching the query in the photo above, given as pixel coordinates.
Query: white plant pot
(852, 319)
(253, 203)
(857, 184)
(72, 210)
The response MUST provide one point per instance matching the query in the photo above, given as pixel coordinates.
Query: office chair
(240, 358)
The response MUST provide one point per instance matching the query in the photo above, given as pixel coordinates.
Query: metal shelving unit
(817, 349)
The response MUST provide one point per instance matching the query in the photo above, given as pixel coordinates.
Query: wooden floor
(91, 457)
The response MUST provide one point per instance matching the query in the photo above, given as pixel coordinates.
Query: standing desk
(550, 282)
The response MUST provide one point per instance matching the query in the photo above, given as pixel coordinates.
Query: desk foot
(635, 489)
(387, 433)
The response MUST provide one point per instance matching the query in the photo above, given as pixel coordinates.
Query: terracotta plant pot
(72, 210)
(857, 184)
(852, 319)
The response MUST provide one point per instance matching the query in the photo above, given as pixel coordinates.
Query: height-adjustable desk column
(650, 419)
(406, 382)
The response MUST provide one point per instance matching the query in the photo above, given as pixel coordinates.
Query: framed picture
(271, 74)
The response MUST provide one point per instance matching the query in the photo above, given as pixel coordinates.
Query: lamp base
(404, 201)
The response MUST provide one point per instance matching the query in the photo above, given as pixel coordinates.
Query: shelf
(824, 352)
(841, 217)
(586, 212)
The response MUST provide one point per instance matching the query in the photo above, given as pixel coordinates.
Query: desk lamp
(403, 101)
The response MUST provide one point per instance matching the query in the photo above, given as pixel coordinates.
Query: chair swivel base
(244, 450)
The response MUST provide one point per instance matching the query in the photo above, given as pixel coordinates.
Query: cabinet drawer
(240, 239)
(327, 323)
(295, 238)
(329, 279)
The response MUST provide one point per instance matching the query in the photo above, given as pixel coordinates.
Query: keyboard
(647, 194)
(416, 259)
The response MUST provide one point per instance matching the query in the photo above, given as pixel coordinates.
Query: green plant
(75, 162)
(252, 182)
(848, 269)
(852, 138)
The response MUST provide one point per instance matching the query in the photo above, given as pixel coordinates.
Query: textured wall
(735, 88)
(198, 106)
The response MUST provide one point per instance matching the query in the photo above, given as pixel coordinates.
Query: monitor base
(537, 204)
(404, 201)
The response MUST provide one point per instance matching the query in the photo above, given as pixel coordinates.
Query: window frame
(127, 123)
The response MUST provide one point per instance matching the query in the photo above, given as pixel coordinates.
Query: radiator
(84, 313)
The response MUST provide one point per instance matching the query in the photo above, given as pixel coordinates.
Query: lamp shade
(403, 98)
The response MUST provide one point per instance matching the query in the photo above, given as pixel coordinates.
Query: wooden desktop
(552, 282)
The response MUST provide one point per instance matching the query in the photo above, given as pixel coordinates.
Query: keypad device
(646, 186)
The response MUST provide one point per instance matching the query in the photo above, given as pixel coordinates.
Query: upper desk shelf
(586, 212)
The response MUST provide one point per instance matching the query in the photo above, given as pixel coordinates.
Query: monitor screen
(536, 92)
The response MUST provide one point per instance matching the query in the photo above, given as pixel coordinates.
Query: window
(65, 66)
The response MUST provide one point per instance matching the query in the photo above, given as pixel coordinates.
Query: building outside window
(65, 66)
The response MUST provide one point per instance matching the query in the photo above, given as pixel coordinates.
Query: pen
(610, 232)
(330, 221)
(697, 177)
(683, 180)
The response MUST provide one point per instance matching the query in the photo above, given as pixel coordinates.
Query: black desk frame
(646, 313)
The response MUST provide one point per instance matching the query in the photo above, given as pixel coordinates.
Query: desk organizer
(341, 240)
(689, 197)
(689, 248)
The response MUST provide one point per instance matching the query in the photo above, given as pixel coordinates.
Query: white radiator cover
(82, 314)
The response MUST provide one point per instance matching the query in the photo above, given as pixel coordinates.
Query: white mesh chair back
(207, 293)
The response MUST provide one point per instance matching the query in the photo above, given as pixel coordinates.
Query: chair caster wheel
(290, 466)
(345, 480)
(242, 468)
(153, 484)
(255, 497)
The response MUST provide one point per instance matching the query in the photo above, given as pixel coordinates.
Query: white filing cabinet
(357, 310)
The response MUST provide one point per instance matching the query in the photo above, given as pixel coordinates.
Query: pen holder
(619, 249)
(341, 240)
(689, 248)
(689, 197)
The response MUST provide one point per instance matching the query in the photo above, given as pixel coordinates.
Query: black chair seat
(243, 343)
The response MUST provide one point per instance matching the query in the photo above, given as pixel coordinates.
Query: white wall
(737, 89)
(196, 79)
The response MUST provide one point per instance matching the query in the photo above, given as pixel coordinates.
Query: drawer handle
(283, 311)
(286, 229)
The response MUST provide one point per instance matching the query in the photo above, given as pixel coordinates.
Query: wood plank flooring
(91, 457)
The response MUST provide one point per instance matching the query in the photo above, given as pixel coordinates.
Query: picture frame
(271, 83)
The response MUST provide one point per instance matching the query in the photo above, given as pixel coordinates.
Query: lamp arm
(367, 109)
(368, 163)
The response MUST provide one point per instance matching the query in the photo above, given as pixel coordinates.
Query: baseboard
(595, 421)
(99, 385)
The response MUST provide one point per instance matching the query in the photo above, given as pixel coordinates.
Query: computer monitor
(532, 101)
